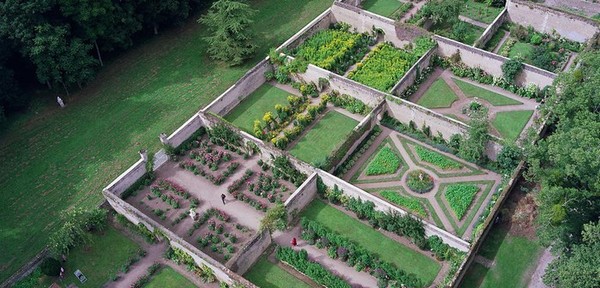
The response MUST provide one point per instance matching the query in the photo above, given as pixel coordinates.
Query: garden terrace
(196, 181)
(548, 52)
(456, 97)
(393, 9)
(334, 49)
(383, 67)
(447, 204)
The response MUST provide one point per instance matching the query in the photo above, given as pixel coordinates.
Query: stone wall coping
(414, 67)
(304, 29)
(492, 26)
(300, 189)
(553, 10)
(121, 177)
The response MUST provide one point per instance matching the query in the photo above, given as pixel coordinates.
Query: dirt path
(416, 7)
(572, 58)
(473, 21)
(542, 263)
(499, 45)
(154, 255)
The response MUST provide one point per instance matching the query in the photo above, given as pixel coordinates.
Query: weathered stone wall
(305, 194)
(342, 84)
(127, 178)
(352, 191)
(411, 75)
(185, 131)
(364, 21)
(240, 90)
(491, 29)
(250, 252)
(545, 19)
(321, 22)
(492, 63)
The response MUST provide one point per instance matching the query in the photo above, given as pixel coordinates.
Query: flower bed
(437, 159)
(419, 181)
(334, 49)
(316, 272)
(459, 197)
(358, 152)
(385, 65)
(409, 203)
(385, 162)
(342, 248)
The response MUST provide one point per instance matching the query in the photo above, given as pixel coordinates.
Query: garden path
(407, 156)
(416, 7)
(570, 62)
(484, 261)
(504, 38)
(542, 264)
(472, 21)
(337, 267)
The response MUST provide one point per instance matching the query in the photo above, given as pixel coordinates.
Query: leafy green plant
(385, 162)
(50, 266)
(460, 196)
(437, 159)
(316, 272)
(411, 204)
(419, 181)
(511, 68)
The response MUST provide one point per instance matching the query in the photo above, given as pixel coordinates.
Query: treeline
(61, 43)
(567, 166)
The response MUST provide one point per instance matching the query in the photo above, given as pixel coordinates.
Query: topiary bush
(419, 181)
(50, 267)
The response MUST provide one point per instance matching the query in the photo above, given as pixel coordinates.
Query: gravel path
(543, 261)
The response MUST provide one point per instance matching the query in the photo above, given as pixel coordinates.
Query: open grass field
(54, 159)
(267, 274)
(98, 261)
(480, 11)
(256, 105)
(511, 123)
(521, 49)
(382, 7)
(389, 250)
(324, 137)
(513, 257)
(495, 99)
(167, 277)
(439, 95)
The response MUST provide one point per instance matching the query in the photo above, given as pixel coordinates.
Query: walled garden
(393, 9)
(549, 52)
(433, 185)
(458, 98)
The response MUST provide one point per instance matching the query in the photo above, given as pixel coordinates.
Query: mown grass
(439, 95)
(406, 202)
(167, 277)
(55, 159)
(513, 258)
(480, 11)
(256, 105)
(382, 7)
(494, 98)
(327, 134)
(387, 249)
(510, 123)
(385, 162)
(267, 274)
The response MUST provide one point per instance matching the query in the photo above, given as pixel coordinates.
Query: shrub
(419, 181)
(275, 218)
(74, 231)
(509, 158)
(385, 162)
(299, 260)
(50, 267)
(459, 197)
(511, 68)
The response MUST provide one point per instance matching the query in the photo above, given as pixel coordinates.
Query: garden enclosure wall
(547, 20)
(492, 29)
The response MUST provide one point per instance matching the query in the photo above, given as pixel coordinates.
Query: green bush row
(316, 272)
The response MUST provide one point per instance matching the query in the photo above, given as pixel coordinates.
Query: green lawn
(389, 250)
(521, 49)
(494, 98)
(511, 123)
(439, 95)
(167, 277)
(98, 261)
(480, 11)
(382, 7)
(327, 134)
(256, 105)
(385, 162)
(513, 257)
(54, 159)
(268, 275)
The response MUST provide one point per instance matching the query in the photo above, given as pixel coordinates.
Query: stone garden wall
(250, 252)
(127, 178)
(305, 194)
(366, 94)
(492, 63)
(545, 19)
(491, 29)
(411, 75)
(352, 191)
(240, 90)
(184, 131)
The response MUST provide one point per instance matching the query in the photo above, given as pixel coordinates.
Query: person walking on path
(294, 242)
(223, 198)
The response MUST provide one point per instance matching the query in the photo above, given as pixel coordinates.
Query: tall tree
(158, 12)
(229, 23)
